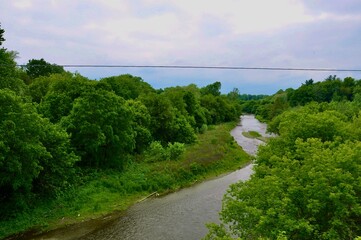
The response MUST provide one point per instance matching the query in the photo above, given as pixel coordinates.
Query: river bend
(183, 214)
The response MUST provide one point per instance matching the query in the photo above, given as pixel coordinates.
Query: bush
(203, 129)
(156, 152)
(175, 150)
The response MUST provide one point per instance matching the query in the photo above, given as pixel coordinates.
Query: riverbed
(183, 214)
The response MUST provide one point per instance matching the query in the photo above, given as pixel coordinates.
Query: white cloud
(22, 4)
(293, 33)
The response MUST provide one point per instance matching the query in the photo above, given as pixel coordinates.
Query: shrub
(156, 152)
(203, 129)
(175, 150)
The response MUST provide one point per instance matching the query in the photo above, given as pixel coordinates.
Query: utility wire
(203, 67)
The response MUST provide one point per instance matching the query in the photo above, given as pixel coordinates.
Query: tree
(220, 108)
(140, 124)
(311, 192)
(127, 86)
(100, 124)
(279, 105)
(162, 115)
(306, 183)
(302, 95)
(167, 123)
(60, 91)
(35, 155)
(2, 39)
(309, 123)
(234, 95)
(8, 73)
(39, 67)
(213, 89)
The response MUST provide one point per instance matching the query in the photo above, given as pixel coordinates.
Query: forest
(71, 146)
(307, 180)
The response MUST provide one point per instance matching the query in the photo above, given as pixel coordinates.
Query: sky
(239, 33)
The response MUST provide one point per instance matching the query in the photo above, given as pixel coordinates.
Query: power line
(204, 67)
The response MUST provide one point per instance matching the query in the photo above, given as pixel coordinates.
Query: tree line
(306, 183)
(56, 125)
(332, 89)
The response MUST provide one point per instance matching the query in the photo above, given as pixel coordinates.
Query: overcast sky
(245, 33)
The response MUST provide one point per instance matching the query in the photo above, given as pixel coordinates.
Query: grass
(254, 134)
(107, 191)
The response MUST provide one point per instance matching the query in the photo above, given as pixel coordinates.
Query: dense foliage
(2, 39)
(307, 180)
(332, 89)
(57, 126)
(39, 67)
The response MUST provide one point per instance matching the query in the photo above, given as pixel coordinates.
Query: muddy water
(183, 215)
(249, 123)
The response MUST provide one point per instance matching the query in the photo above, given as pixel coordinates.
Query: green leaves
(8, 73)
(39, 67)
(2, 39)
(307, 180)
(100, 124)
(31, 150)
(306, 123)
(311, 194)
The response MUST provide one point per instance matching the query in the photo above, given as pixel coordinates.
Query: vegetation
(102, 191)
(72, 148)
(332, 89)
(307, 180)
(2, 39)
(39, 67)
(252, 134)
(70, 145)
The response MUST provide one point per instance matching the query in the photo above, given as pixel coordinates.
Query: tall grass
(104, 191)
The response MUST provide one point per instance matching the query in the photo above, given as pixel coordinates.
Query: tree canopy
(306, 183)
(2, 39)
(39, 67)
(36, 155)
(61, 123)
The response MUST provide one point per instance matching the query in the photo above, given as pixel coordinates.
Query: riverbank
(108, 191)
(182, 215)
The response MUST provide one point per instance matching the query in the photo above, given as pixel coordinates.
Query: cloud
(345, 7)
(251, 33)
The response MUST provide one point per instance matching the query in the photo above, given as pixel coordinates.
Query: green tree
(100, 124)
(167, 123)
(39, 67)
(162, 115)
(61, 92)
(35, 156)
(220, 108)
(8, 73)
(140, 124)
(213, 89)
(346, 88)
(127, 86)
(311, 192)
(302, 123)
(234, 95)
(279, 105)
(302, 95)
(306, 183)
(2, 39)
(39, 87)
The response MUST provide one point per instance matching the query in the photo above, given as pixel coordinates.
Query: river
(183, 214)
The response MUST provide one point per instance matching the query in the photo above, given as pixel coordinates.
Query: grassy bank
(105, 191)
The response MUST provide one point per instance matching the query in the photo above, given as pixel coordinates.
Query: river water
(183, 214)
